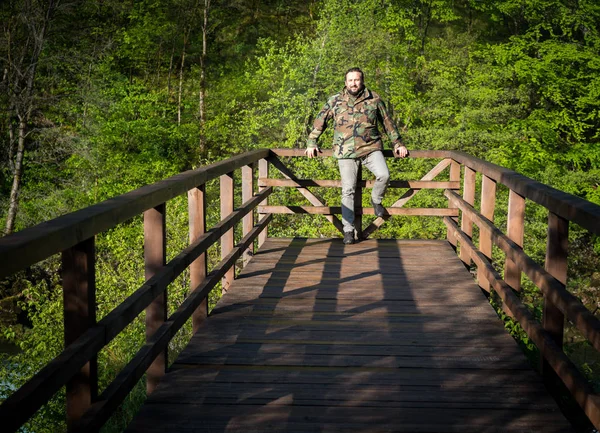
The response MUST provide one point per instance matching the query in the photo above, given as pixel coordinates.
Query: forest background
(101, 97)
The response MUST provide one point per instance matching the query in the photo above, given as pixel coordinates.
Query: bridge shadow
(378, 336)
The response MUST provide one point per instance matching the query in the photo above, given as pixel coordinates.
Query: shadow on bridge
(384, 335)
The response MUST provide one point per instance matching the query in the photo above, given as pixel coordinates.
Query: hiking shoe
(378, 208)
(348, 238)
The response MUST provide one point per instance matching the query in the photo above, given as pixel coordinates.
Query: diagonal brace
(312, 198)
(378, 222)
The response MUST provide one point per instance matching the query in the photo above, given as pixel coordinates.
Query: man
(356, 140)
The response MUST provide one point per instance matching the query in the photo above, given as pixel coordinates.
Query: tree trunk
(202, 93)
(312, 101)
(17, 175)
(169, 76)
(21, 76)
(180, 92)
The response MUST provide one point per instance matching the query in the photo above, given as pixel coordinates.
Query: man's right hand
(312, 152)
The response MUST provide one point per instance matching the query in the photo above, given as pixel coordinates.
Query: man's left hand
(400, 152)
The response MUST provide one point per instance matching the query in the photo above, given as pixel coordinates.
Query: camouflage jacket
(355, 124)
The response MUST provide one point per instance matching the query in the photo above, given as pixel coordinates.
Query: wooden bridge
(314, 335)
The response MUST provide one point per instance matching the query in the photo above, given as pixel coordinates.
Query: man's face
(354, 83)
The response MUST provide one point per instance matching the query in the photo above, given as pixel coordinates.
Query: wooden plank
(454, 177)
(198, 268)
(304, 183)
(391, 394)
(287, 350)
(227, 241)
(466, 223)
(284, 416)
(155, 256)
(79, 305)
(337, 210)
(488, 204)
(248, 222)
(386, 153)
(553, 320)
(263, 171)
(469, 379)
(515, 231)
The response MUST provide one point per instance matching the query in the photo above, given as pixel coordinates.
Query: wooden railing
(551, 278)
(73, 236)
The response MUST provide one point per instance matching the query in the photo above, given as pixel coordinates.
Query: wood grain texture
(382, 335)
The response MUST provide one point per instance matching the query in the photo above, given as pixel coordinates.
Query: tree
(26, 25)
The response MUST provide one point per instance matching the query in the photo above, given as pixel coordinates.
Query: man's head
(355, 82)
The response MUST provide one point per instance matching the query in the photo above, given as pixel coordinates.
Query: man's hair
(362, 74)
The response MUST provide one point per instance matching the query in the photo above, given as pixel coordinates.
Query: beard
(358, 92)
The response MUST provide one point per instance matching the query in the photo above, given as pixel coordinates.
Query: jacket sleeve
(388, 124)
(319, 125)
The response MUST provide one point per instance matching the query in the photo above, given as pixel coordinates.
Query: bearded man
(355, 112)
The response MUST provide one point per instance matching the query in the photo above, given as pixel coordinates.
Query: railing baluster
(263, 172)
(79, 297)
(488, 203)
(198, 271)
(155, 255)
(515, 230)
(454, 176)
(358, 206)
(227, 240)
(553, 319)
(248, 222)
(466, 223)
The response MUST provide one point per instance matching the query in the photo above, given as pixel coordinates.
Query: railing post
(515, 230)
(227, 240)
(155, 254)
(198, 271)
(488, 203)
(79, 297)
(553, 319)
(263, 172)
(466, 224)
(248, 221)
(454, 176)
(358, 205)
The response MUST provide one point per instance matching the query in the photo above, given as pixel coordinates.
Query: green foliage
(516, 83)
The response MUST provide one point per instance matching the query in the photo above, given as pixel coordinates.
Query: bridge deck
(384, 335)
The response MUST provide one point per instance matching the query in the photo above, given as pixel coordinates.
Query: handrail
(550, 286)
(565, 205)
(31, 245)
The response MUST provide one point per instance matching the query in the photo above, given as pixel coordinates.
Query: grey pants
(375, 162)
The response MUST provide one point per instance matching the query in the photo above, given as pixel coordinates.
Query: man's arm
(319, 126)
(400, 150)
